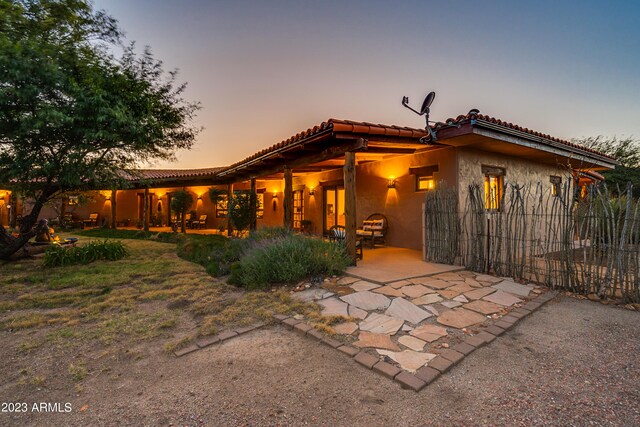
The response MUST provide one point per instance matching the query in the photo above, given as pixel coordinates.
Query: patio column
(145, 210)
(349, 171)
(229, 197)
(288, 198)
(113, 209)
(254, 207)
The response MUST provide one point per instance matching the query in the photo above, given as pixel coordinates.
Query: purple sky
(266, 70)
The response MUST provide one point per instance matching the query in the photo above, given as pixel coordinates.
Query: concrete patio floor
(389, 264)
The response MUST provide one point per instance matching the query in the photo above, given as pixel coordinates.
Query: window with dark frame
(493, 187)
(424, 177)
(556, 185)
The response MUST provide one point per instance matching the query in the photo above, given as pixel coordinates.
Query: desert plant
(180, 202)
(286, 260)
(59, 256)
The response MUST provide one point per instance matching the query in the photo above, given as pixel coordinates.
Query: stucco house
(341, 171)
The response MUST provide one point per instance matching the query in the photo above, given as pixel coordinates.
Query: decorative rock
(429, 333)
(432, 309)
(472, 282)
(460, 318)
(488, 279)
(333, 307)
(346, 328)
(346, 280)
(363, 285)
(389, 291)
(367, 300)
(408, 360)
(407, 328)
(371, 340)
(448, 294)
(479, 293)
(484, 307)
(460, 289)
(461, 298)
(427, 299)
(412, 342)
(379, 323)
(451, 304)
(432, 283)
(514, 288)
(414, 291)
(399, 284)
(502, 298)
(403, 309)
(357, 313)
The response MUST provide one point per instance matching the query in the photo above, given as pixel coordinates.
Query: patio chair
(188, 221)
(92, 221)
(338, 233)
(200, 223)
(374, 228)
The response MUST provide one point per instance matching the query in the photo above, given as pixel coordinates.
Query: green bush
(286, 258)
(206, 250)
(58, 256)
(107, 233)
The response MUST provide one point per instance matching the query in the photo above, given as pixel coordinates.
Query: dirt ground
(571, 363)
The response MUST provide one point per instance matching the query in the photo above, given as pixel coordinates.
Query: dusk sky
(266, 70)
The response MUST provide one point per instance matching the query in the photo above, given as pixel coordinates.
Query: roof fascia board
(524, 139)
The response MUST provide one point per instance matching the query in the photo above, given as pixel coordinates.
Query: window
(425, 182)
(493, 187)
(298, 208)
(556, 185)
(425, 179)
(260, 204)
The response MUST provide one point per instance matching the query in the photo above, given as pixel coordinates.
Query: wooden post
(229, 197)
(113, 209)
(288, 198)
(254, 207)
(145, 210)
(349, 172)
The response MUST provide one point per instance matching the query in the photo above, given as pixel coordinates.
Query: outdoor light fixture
(199, 197)
(275, 195)
(312, 191)
(391, 183)
(107, 198)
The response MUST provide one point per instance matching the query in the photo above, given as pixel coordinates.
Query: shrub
(107, 233)
(206, 250)
(285, 259)
(58, 256)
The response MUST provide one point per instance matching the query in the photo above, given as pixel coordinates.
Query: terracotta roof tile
(475, 115)
(159, 174)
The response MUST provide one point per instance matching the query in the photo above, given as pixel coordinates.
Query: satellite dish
(427, 103)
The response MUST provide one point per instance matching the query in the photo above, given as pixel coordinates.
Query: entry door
(298, 208)
(333, 206)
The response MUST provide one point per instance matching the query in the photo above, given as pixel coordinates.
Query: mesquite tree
(73, 116)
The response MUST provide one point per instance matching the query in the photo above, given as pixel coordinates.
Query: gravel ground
(571, 363)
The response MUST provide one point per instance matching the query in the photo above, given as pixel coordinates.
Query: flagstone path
(422, 323)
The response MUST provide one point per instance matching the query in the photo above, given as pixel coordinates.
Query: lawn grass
(141, 296)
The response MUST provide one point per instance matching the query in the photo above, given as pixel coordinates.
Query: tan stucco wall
(518, 171)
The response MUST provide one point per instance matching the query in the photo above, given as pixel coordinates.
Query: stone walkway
(423, 324)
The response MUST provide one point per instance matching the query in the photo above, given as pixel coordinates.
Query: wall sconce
(107, 198)
(199, 197)
(312, 191)
(391, 183)
(275, 195)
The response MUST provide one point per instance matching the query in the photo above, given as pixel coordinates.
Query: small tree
(180, 203)
(243, 208)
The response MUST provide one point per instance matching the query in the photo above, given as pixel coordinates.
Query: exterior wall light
(312, 191)
(391, 183)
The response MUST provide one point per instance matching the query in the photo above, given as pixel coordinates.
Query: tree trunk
(145, 211)
(183, 221)
(114, 219)
(9, 245)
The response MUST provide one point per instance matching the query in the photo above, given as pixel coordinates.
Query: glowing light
(391, 183)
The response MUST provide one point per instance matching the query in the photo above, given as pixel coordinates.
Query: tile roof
(337, 125)
(475, 115)
(160, 174)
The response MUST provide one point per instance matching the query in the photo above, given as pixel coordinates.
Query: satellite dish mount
(424, 111)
